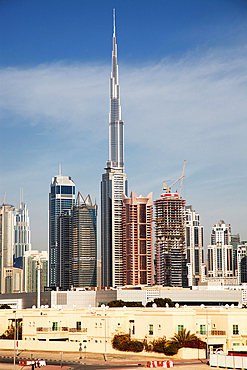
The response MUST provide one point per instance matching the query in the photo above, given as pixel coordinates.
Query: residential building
(194, 247)
(61, 198)
(6, 241)
(84, 243)
(220, 254)
(31, 260)
(22, 233)
(13, 280)
(137, 240)
(64, 329)
(170, 240)
(113, 185)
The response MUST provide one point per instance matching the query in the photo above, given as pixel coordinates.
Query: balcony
(213, 333)
(61, 329)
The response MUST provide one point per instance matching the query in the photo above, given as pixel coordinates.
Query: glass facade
(61, 198)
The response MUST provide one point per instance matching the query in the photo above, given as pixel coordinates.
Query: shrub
(122, 342)
(159, 345)
(170, 349)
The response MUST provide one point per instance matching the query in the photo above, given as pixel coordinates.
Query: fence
(228, 362)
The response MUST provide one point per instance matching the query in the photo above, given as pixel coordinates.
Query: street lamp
(14, 338)
(104, 307)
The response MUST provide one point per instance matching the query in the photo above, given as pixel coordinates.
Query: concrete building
(22, 233)
(30, 273)
(137, 240)
(170, 240)
(63, 330)
(113, 185)
(220, 254)
(194, 247)
(61, 198)
(6, 241)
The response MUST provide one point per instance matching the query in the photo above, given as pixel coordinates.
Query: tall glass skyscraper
(61, 198)
(22, 233)
(84, 243)
(113, 185)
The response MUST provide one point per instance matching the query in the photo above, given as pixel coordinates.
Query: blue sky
(182, 69)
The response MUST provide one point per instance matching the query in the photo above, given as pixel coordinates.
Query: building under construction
(170, 261)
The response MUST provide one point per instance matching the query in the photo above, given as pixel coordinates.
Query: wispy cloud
(193, 108)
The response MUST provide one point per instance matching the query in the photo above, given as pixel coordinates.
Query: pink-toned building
(137, 240)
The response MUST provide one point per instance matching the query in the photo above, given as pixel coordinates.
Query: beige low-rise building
(60, 329)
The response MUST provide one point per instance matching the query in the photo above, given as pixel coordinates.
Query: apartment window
(151, 329)
(235, 330)
(235, 344)
(180, 328)
(159, 326)
(55, 326)
(78, 325)
(202, 329)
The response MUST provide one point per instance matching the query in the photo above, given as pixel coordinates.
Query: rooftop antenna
(114, 27)
(60, 169)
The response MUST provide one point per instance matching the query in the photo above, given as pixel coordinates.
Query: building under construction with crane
(170, 259)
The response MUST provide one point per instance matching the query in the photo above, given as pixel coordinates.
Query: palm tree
(183, 337)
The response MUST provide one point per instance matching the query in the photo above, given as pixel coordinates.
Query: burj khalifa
(113, 185)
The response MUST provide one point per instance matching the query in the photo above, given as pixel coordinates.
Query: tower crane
(3, 200)
(168, 188)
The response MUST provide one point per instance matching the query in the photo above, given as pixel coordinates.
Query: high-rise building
(31, 259)
(64, 242)
(113, 185)
(194, 247)
(241, 271)
(6, 241)
(220, 254)
(22, 236)
(84, 243)
(61, 198)
(235, 241)
(170, 261)
(137, 240)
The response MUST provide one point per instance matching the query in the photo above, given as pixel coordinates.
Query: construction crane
(168, 188)
(3, 200)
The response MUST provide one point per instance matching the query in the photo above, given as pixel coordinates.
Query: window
(151, 329)
(235, 330)
(180, 328)
(54, 326)
(203, 329)
(78, 325)
(159, 326)
(235, 344)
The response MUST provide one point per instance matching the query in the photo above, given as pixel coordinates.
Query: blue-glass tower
(61, 198)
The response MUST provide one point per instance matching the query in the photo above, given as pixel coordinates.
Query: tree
(161, 302)
(5, 307)
(184, 339)
(120, 303)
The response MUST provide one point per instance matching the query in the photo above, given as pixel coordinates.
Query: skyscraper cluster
(129, 256)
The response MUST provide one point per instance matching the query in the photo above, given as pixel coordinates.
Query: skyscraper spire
(113, 22)
(116, 125)
(114, 184)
